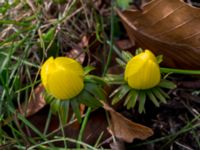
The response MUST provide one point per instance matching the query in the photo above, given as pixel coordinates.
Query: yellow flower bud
(62, 77)
(142, 71)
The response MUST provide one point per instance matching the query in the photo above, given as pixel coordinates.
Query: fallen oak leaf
(125, 129)
(167, 27)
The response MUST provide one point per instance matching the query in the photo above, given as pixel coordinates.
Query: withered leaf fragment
(36, 103)
(125, 129)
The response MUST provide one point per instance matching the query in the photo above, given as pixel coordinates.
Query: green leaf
(88, 69)
(48, 98)
(159, 59)
(142, 99)
(47, 37)
(94, 79)
(126, 56)
(157, 93)
(122, 92)
(167, 84)
(124, 4)
(76, 109)
(116, 91)
(86, 98)
(153, 98)
(163, 93)
(63, 111)
(121, 62)
(138, 51)
(55, 106)
(95, 90)
(114, 79)
(128, 97)
(133, 99)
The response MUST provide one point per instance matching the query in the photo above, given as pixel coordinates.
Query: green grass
(27, 42)
(23, 49)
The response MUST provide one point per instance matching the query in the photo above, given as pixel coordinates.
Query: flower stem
(179, 71)
(83, 127)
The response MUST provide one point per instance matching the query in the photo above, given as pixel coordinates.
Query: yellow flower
(142, 71)
(62, 77)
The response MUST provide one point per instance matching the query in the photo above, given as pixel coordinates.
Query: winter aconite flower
(142, 71)
(62, 77)
(141, 81)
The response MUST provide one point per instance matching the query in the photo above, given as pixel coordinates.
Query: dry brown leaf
(167, 27)
(125, 129)
(125, 44)
(77, 52)
(118, 145)
(36, 103)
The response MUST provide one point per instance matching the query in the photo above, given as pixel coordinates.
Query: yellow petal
(62, 77)
(69, 64)
(65, 84)
(150, 55)
(142, 71)
(145, 78)
(46, 69)
(133, 66)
